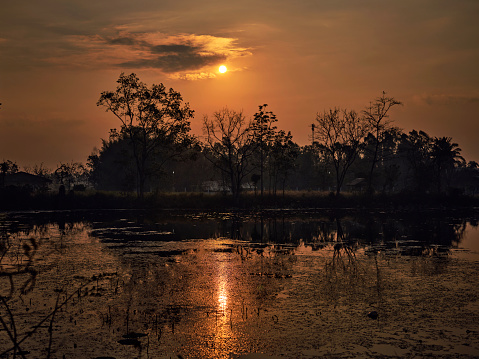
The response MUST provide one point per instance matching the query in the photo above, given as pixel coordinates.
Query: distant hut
(213, 186)
(356, 185)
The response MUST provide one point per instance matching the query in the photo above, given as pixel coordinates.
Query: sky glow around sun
(307, 58)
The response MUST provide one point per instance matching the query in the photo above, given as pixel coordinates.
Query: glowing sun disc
(222, 69)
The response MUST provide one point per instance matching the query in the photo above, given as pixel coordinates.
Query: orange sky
(299, 57)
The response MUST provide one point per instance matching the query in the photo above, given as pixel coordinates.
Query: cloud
(127, 41)
(175, 49)
(54, 121)
(176, 63)
(194, 76)
(185, 56)
(434, 100)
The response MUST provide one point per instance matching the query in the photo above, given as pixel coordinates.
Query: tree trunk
(373, 164)
(141, 185)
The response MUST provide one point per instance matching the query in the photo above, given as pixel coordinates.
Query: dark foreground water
(221, 285)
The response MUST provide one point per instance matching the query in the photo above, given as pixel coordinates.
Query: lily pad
(129, 341)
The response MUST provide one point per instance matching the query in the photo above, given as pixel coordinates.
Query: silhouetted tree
(230, 146)
(7, 167)
(282, 158)
(377, 117)
(69, 173)
(415, 148)
(254, 179)
(191, 173)
(468, 177)
(38, 170)
(339, 135)
(446, 156)
(155, 120)
(113, 167)
(387, 169)
(312, 171)
(263, 132)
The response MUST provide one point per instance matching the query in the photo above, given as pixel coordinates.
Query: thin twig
(35, 328)
(16, 345)
(50, 329)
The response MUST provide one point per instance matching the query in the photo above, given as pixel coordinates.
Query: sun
(222, 69)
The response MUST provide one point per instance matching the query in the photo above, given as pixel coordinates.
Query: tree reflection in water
(29, 286)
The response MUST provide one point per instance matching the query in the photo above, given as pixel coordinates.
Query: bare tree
(69, 173)
(38, 170)
(377, 118)
(230, 146)
(339, 134)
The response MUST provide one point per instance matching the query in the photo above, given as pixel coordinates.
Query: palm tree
(446, 156)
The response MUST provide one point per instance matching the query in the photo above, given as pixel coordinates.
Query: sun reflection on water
(225, 339)
(222, 295)
(222, 279)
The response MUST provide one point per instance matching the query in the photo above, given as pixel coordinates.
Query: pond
(289, 284)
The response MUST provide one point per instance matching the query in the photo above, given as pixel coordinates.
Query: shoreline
(17, 200)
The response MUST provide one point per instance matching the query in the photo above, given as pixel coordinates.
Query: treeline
(410, 162)
(153, 151)
(349, 150)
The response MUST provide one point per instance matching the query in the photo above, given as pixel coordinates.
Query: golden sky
(298, 56)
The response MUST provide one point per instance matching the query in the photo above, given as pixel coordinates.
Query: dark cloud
(128, 41)
(176, 62)
(434, 100)
(177, 54)
(175, 48)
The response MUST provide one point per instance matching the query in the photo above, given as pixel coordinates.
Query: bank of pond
(21, 199)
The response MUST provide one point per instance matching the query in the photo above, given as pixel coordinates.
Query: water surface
(128, 284)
